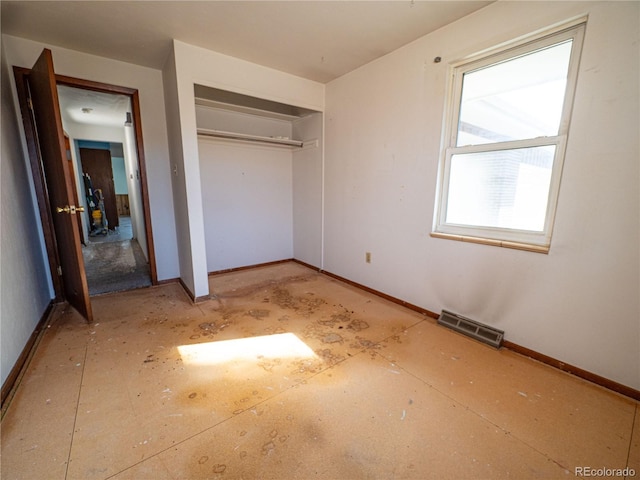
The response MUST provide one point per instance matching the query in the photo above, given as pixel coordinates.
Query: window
(504, 145)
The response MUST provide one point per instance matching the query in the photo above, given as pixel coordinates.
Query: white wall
(132, 168)
(25, 287)
(246, 191)
(247, 202)
(179, 183)
(189, 65)
(307, 190)
(579, 303)
(148, 82)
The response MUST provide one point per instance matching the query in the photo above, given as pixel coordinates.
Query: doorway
(132, 144)
(106, 175)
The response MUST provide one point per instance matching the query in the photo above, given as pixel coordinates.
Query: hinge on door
(30, 103)
(59, 271)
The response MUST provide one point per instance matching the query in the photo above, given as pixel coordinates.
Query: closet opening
(261, 179)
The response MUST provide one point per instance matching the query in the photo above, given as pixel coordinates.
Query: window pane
(501, 189)
(515, 100)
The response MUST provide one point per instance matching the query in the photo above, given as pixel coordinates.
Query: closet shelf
(250, 138)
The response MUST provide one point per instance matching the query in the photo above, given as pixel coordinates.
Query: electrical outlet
(367, 257)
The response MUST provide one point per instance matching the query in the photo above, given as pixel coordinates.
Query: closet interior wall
(261, 202)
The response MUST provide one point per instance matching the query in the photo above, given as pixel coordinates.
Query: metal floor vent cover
(484, 333)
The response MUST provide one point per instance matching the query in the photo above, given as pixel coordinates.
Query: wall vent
(484, 333)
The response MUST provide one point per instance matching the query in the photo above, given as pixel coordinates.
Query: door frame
(21, 76)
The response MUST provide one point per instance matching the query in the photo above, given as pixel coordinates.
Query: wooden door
(97, 163)
(50, 138)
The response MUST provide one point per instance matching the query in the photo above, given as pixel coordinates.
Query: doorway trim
(21, 76)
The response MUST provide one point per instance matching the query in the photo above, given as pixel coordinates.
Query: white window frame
(506, 237)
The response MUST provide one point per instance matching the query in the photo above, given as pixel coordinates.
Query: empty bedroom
(377, 239)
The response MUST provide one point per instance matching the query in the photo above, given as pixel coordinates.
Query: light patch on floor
(281, 345)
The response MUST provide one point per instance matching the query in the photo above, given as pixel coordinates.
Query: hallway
(115, 262)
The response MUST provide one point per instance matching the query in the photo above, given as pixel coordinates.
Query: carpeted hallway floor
(115, 262)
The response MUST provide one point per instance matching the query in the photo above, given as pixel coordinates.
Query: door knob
(72, 209)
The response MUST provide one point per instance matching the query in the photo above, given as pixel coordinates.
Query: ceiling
(92, 108)
(318, 40)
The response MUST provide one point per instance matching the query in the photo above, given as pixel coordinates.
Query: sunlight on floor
(253, 348)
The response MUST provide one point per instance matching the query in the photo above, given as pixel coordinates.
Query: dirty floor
(115, 262)
(289, 374)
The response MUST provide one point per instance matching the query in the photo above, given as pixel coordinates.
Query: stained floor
(289, 374)
(115, 262)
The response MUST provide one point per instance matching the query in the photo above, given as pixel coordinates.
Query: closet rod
(250, 138)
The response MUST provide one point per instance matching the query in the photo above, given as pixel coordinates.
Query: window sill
(496, 243)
